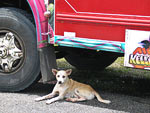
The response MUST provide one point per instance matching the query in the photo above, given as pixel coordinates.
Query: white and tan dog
(70, 89)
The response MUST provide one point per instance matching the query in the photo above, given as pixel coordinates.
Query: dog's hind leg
(76, 99)
(46, 96)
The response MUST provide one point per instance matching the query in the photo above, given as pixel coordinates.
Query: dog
(71, 90)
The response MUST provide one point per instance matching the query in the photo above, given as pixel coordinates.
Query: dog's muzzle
(59, 82)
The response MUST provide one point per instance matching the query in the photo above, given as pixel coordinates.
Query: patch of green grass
(62, 63)
(118, 68)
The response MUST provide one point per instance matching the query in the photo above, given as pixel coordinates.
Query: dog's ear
(54, 71)
(68, 71)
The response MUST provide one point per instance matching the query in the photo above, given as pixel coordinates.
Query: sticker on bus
(137, 49)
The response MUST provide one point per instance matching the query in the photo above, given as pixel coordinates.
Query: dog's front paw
(49, 102)
(38, 99)
(107, 101)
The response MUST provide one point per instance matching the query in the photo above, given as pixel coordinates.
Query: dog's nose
(59, 82)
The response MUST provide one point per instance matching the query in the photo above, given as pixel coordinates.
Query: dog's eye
(63, 76)
(58, 76)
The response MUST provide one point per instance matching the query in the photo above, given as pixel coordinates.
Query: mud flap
(47, 62)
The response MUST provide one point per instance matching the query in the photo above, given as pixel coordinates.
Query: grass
(118, 67)
(115, 78)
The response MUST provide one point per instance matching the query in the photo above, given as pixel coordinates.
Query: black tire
(14, 21)
(90, 60)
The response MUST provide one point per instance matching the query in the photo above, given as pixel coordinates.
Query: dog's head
(62, 75)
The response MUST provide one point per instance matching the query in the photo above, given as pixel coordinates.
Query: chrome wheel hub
(3, 52)
(9, 52)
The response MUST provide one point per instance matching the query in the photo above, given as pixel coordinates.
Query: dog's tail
(100, 99)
